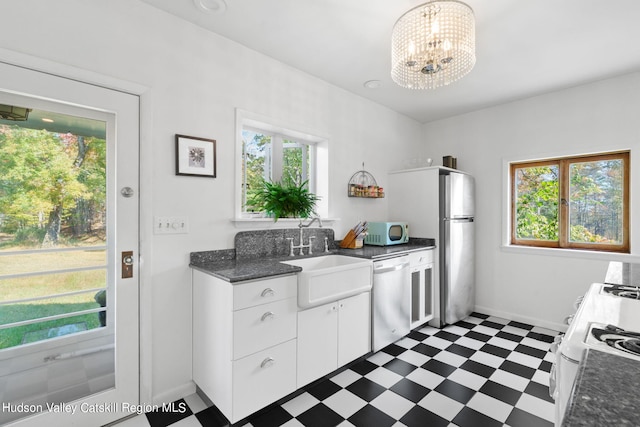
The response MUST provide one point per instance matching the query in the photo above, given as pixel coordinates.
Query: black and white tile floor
(482, 371)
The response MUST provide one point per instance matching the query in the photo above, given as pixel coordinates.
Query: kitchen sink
(331, 277)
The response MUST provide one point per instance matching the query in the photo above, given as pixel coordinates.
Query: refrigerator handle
(470, 219)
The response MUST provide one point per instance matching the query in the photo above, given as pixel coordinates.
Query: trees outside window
(572, 202)
(275, 158)
(52, 232)
(53, 186)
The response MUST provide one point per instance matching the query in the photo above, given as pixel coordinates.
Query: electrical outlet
(170, 225)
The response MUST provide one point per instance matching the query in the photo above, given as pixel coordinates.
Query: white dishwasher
(391, 300)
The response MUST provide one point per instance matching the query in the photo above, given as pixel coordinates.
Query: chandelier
(433, 45)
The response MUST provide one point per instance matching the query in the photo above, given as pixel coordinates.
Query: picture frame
(195, 156)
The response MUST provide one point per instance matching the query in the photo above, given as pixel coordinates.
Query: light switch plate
(170, 225)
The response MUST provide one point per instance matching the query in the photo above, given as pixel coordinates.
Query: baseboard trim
(523, 319)
(174, 394)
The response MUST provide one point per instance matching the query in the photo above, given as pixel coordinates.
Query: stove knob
(576, 304)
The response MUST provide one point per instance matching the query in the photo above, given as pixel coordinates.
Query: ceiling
(524, 47)
(60, 123)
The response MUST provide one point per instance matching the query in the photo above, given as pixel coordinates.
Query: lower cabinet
(262, 378)
(422, 283)
(251, 345)
(244, 342)
(332, 335)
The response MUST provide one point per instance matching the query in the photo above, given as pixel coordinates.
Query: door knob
(127, 192)
(127, 264)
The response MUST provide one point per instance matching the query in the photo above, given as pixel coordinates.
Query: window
(274, 157)
(53, 257)
(572, 202)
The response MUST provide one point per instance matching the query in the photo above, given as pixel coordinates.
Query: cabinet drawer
(264, 291)
(263, 378)
(263, 326)
(420, 258)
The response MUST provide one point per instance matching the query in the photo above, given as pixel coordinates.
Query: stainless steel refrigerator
(457, 247)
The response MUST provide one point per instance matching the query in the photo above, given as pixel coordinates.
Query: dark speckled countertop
(378, 252)
(605, 392)
(224, 264)
(234, 270)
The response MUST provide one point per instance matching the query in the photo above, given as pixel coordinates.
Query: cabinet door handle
(390, 269)
(267, 315)
(268, 293)
(267, 362)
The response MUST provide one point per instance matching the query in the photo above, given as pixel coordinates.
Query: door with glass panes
(68, 251)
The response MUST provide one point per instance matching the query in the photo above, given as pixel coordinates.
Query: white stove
(612, 339)
(607, 320)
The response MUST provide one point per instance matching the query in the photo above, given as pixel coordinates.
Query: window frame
(274, 161)
(563, 164)
(318, 182)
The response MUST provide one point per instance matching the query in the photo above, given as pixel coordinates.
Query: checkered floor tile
(482, 371)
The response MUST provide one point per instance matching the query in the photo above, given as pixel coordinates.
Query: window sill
(571, 253)
(281, 223)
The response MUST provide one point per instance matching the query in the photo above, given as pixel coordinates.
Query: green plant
(284, 200)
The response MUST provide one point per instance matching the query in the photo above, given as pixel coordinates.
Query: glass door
(68, 249)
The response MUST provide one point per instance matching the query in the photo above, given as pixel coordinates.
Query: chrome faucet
(301, 246)
(317, 218)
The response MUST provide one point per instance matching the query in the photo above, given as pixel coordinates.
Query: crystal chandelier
(433, 45)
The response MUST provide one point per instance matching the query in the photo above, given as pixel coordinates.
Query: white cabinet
(244, 342)
(354, 328)
(422, 282)
(332, 335)
(420, 189)
(317, 342)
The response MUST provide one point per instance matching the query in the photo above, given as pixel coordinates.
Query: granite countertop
(224, 264)
(605, 392)
(234, 270)
(377, 252)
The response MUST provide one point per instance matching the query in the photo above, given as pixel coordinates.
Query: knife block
(350, 242)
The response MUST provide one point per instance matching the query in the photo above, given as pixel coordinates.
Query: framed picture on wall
(195, 156)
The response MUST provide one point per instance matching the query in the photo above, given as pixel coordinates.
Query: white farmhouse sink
(331, 277)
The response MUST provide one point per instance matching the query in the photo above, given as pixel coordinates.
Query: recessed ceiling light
(47, 120)
(373, 84)
(211, 6)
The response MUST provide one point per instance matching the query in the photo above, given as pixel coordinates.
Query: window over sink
(276, 152)
(579, 202)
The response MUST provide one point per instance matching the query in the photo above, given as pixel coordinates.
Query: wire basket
(363, 184)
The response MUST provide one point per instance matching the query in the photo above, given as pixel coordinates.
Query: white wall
(539, 286)
(195, 81)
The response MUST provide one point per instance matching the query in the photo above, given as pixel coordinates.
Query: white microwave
(386, 233)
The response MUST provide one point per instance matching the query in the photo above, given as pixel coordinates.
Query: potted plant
(284, 200)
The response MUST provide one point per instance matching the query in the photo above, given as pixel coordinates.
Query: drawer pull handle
(268, 293)
(267, 362)
(569, 319)
(267, 315)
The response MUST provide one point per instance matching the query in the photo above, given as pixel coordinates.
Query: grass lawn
(52, 284)
(13, 336)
